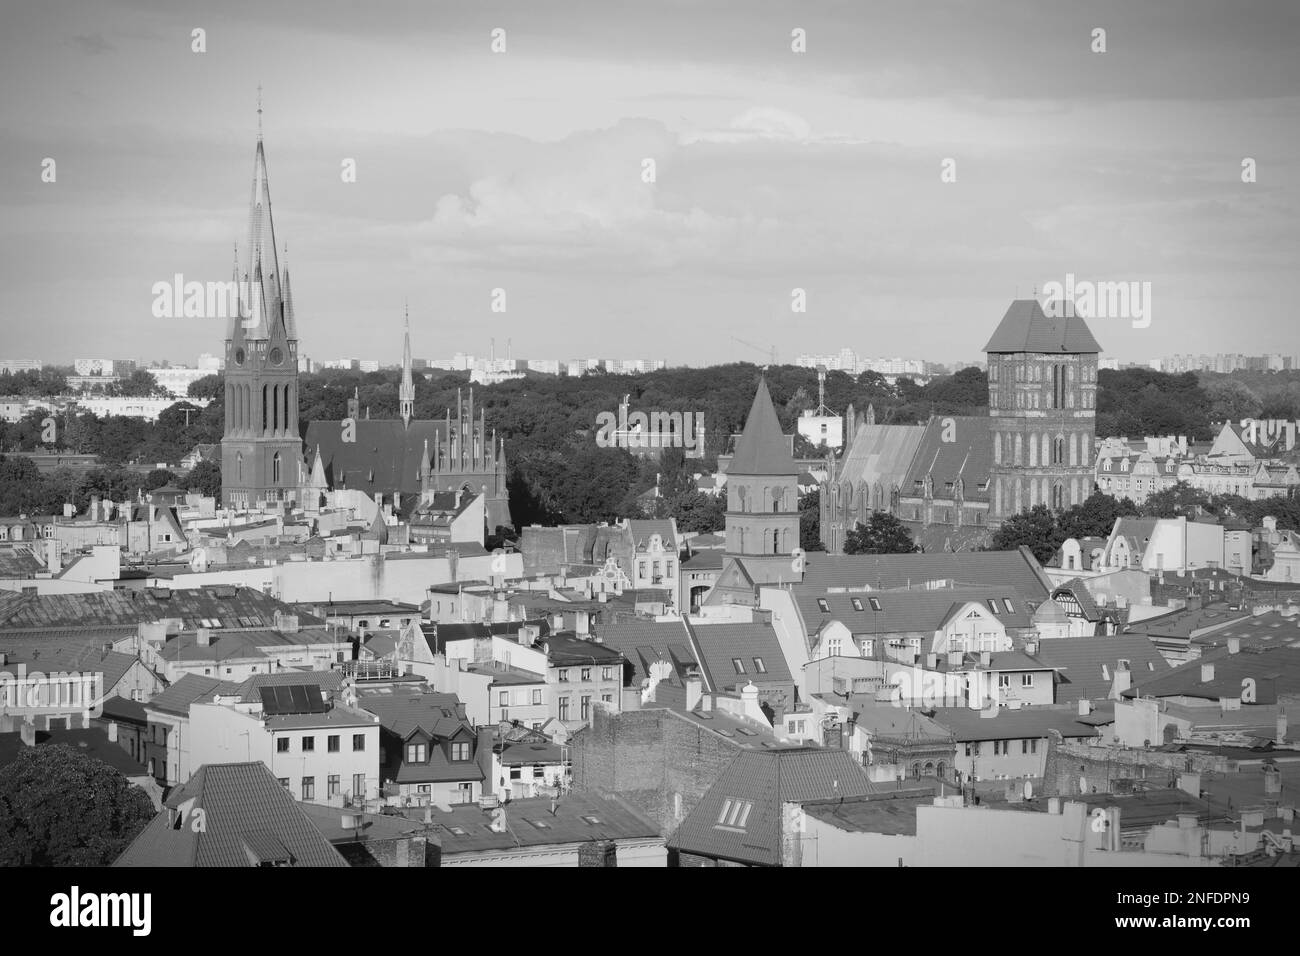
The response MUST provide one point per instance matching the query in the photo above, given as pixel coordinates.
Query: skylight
(734, 813)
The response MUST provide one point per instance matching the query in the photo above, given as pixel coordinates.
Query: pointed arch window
(239, 467)
(275, 468)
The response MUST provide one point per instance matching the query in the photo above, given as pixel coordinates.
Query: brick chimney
(204, 637)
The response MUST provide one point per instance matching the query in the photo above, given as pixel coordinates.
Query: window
(309, 788)
(738, 664)
(564, 675)
(283, 781)
(607, 673)
(358, 785)
(823, 606)
(857, 603)
(332, 743)
(358, 742)
(759, 665)
(833, 646)
(308, 744)
(734, 813)
(332, 785)
(607, 698)
(586, 707)
(875, 603)
(503, 698)
(586, 673)
(537, 696)
(1004, 680)
(466, 792)
(1026, 680)
(282, 745)
(1007, 604)
(993, 605)
(460, 751)
(415, 753)
(424, 788)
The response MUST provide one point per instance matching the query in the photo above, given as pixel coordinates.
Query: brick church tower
(1042, 374)
(763, 491)
(261, 450)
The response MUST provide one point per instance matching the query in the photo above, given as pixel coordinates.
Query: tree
(1232, 401)
(881, 534)
(211, 387)
(810, 521)
(696, 511)
(59, 807)
(205, 478)
(1178, 500)
(1095, 517)
(157, 478)
(1035, 529)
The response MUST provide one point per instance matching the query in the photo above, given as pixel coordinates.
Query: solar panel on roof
(300, 702)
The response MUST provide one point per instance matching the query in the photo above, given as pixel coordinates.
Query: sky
(774, 171)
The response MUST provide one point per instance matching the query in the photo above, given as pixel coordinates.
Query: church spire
(406, 393)
(261, 228)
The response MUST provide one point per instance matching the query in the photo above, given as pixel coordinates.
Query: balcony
(369, 670)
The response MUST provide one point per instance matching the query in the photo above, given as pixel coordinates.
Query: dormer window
(416, 753)
(460, 751)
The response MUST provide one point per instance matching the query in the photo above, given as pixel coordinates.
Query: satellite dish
(1029, 790)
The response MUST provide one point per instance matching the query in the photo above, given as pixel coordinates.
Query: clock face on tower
(239, 356)
(276, 356)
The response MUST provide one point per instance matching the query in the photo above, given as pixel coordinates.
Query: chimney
(69, 510)
(1031, 648)
(694, 692)
(986, 658)
(954, 658)
(1085, 708)
(1207, 673)
(932, 661)
(1123, 681)
(204, 637)
(1234, 645)
(112, 731)
(1281, 727)
(28, 733)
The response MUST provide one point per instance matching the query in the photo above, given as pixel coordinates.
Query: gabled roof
(720, 644)
(386, 456)
(924, 610)
(952, 448)
(644, 642)
(1078, 662)
(225, 603)
(1014, 569)
(1275, 671)
(739, 818)
(1027, 328)
(879, 454)
(177, 698)
(249, 820)
(763, 448)
(438, 715)
(967, 724)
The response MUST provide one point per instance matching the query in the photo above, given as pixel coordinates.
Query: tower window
(275, 468)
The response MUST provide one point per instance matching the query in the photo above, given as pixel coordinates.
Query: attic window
(759, 665)
(993, 605)
(738, 664)
(458, 831)
(1007, 604)
(540, 824)
(593, 820)
(857, 603)
(823, 606)
(875, 603)
(734, 813)
(1105, 672)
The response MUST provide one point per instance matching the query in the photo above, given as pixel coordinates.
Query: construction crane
(769, 352)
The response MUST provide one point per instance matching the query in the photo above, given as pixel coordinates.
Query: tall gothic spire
(406, 393)
(261, 228)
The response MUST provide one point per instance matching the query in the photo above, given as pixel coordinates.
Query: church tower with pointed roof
(261, 449)
(1042, 373)
(763, 490)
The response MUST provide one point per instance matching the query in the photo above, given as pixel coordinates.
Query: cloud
(93, 44)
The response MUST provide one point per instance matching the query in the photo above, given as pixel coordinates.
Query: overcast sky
(775, 171)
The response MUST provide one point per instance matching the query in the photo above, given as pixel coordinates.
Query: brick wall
(657, 761)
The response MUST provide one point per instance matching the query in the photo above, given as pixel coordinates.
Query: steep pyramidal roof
(1027, 328)
(763, 449)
